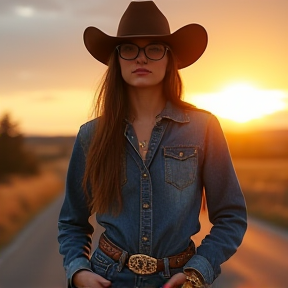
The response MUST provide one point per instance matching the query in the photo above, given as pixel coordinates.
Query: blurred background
(47, 86)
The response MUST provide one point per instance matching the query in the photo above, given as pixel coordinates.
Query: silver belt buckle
(142, 264)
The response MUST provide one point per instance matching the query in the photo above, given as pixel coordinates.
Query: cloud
(84, 8)
(8, 7)
(24, 11)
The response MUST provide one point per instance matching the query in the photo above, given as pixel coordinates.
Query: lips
(141, 70)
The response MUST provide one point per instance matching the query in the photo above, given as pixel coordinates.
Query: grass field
(265, 186)
(23, 197)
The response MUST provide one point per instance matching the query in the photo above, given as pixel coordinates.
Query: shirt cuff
(202, 265)
(75, 266)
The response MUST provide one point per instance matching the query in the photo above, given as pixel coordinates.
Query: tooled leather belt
(144, 264)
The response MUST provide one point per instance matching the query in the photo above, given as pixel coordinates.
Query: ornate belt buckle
(142, 264)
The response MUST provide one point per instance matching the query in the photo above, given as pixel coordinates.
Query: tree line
(14, 157)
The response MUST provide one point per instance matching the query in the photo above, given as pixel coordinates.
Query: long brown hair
(105, 156)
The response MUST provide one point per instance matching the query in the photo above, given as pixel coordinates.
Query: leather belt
(144, 264)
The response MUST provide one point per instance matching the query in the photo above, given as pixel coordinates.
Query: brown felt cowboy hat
(145, 20)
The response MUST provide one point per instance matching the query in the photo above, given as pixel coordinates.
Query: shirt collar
(172, 112)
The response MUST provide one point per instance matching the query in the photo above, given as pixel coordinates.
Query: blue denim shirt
(162, 195)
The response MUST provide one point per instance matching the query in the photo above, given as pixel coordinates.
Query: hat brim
(187, 43)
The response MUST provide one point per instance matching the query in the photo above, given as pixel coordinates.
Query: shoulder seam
(194, 108)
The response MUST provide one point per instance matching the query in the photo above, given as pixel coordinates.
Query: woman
(143, 165)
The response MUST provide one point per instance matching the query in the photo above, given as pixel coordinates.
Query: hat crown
(143, 18)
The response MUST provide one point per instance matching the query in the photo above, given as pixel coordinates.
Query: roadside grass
(23, 197)
(265, 185)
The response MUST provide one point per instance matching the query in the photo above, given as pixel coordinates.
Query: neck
(146, 104)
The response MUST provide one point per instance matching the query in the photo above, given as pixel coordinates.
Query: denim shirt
(162, 195)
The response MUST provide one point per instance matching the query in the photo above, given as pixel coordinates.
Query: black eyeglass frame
(142, 48)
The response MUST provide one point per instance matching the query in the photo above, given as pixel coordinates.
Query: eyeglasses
(152, 51)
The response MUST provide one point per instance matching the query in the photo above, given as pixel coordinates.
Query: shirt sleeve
(74, 229)
(226, 206)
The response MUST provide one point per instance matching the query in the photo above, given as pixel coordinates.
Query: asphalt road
(33, 261)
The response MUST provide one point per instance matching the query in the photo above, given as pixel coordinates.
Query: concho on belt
(142, 264)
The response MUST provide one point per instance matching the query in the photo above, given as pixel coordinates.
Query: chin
(144, 84)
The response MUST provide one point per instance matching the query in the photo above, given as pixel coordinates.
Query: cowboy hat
(145, 20)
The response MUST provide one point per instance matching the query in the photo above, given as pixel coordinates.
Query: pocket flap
(180, 153)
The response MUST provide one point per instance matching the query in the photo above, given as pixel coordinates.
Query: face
(143, 72)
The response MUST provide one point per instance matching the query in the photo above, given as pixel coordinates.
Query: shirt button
(145, 239)
(144, 175)
(145, 205)
(181, 154)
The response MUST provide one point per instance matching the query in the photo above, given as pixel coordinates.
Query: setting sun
(240, 102)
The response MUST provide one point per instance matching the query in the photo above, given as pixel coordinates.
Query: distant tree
(14, 158)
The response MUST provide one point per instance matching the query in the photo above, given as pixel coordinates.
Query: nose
(141, 56)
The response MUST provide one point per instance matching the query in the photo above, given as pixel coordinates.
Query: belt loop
(166, 268)
(122, 260)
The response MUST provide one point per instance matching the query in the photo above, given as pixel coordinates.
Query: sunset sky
(48, 78)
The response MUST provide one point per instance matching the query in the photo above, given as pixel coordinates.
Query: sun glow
(241, 102)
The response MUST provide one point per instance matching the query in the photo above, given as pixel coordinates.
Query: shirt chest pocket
(180, 165)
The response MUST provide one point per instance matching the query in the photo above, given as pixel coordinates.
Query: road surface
(32, 260)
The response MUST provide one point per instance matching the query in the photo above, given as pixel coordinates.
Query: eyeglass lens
(152, 51)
